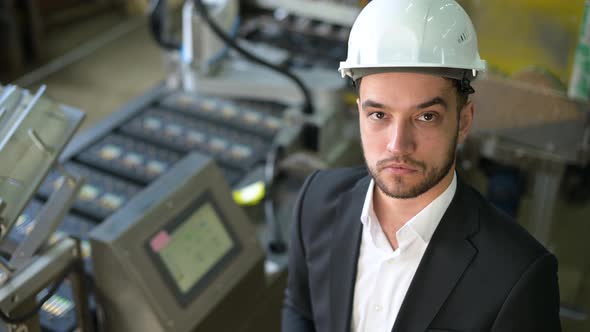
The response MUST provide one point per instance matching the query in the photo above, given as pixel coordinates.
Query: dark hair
(462, 94)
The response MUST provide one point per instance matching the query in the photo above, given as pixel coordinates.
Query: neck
(394, 213)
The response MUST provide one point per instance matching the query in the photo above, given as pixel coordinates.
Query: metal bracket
(48, 219)
(44, 269)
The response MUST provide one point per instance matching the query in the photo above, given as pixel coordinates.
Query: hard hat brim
(450, 71)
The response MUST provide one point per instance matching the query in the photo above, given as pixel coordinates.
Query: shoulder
(501, 236)
(336, 181)
(326, 193)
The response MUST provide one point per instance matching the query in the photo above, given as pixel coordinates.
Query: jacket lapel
(344, 255)
(446, 258)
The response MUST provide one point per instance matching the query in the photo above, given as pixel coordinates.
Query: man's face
(410, 127)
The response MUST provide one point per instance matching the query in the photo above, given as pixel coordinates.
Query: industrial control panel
(309, 42)
(180, 251)
(128, 154)
(163, 242)
(122, 160)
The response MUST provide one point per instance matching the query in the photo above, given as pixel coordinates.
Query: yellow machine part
(517, 34)
(250, 195)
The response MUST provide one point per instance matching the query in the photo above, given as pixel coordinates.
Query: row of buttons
(101, 194)
(184, 134)
(262, 118)
(130, 158)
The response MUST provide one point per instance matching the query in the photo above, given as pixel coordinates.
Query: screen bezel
(184, 299)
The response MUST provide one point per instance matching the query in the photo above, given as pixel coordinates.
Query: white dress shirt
(384, 275)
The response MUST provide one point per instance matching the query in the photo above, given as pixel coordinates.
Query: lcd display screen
(192, 247)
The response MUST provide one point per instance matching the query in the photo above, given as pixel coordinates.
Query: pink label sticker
(159, 241)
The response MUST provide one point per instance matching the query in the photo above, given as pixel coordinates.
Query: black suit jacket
(480, 272)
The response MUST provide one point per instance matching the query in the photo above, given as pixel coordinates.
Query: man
(402, 244)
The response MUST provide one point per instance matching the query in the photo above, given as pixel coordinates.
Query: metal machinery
(286, 36)
(179, 256)
(33, 132)
(145, 168)
(138, 157)
(164, 245)
(538, 130)
(163, 242)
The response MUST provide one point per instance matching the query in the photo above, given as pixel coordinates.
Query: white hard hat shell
(419, 34)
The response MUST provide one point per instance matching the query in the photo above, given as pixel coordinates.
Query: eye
(377, 115)
(427, 117)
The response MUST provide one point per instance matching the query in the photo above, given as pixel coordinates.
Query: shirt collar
(425, 222)
(368, 205)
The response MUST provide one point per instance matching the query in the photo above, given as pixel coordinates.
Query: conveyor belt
(259, 118)
(129, 158)
(134, 150)
(182, 133)
(100, 196)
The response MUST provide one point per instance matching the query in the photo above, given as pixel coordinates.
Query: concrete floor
(128, 66)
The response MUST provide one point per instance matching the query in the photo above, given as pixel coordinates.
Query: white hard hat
(433, 36)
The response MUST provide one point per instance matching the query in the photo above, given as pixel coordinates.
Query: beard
(398, 188)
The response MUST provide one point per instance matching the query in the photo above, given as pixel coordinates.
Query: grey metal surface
(134, 292)
(545, 192)
(524, 124)
(81, 295)
(88, 137)
(331, 12)
(34, 131)
(238, 78)
(42, 271)
(47, 221)
(544, 151)
(561, 142)
(533, 128)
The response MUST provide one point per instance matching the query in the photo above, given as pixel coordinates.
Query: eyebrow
(371, 103)
(434, 101)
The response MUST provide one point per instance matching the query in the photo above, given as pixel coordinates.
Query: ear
(465, 121)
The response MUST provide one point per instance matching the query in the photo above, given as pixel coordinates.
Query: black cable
(202, 10)
(157, 22)
(277, 244)
(25, 317)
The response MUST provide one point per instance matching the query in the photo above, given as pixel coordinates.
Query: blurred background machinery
(34, 131)
(159, 174)
(184, 210)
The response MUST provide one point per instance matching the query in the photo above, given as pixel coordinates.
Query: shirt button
(378, 307)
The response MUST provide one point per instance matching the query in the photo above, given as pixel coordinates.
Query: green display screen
(193, 247)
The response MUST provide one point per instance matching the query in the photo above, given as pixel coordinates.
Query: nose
(401, 138)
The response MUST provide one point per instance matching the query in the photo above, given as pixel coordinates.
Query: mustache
(401, 160)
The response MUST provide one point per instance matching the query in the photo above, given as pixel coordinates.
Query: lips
(398, 169)
(400, 166)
